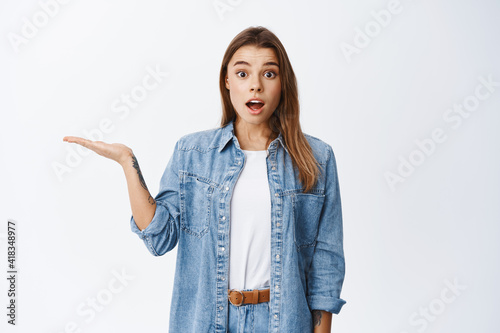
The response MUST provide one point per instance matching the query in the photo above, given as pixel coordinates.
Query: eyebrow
(269, 63)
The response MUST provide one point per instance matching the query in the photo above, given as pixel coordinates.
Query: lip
(255, 112)
(255, 99)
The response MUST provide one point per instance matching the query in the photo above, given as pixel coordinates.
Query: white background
(404, 245)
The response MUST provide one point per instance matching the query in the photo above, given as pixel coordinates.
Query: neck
(253, 136)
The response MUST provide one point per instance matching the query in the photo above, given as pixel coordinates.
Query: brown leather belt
(237, 297)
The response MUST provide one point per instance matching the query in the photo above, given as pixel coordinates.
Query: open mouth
(255, 104)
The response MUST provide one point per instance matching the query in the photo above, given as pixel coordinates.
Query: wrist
(127, 159)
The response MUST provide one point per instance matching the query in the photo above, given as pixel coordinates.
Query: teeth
(254, 101)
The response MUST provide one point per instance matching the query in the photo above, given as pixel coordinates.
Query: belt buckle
(242, 297)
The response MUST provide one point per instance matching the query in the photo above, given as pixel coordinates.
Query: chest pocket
(196, 200)
(306, 211)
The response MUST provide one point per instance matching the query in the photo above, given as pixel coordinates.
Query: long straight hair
(285, 119)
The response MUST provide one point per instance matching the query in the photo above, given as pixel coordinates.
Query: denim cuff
(325, 303)
(157, 223)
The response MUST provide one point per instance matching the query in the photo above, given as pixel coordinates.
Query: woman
(253, 205)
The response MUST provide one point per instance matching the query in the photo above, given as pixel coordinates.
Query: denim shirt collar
(228, 134)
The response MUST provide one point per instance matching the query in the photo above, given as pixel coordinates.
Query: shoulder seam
(182, 140)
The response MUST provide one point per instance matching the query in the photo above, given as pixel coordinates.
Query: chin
(253, 119)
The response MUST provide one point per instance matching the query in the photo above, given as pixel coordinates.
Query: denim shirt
(193, 212)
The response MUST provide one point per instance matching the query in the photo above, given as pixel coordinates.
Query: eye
(241, 74)
(270, 74)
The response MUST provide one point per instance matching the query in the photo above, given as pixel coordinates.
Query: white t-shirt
(250, 225)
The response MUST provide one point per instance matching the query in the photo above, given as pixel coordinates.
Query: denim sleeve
(326, 274)
(161, 235)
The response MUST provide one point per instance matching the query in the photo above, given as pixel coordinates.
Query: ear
(227, 82)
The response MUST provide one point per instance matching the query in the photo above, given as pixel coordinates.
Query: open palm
(116, 151)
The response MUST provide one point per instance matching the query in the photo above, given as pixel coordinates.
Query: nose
(256, 85)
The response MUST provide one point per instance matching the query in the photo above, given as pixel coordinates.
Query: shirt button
(223, 278)
(223, 218)
(221, 307)
(227, 188)
(276, 194)
(277, 287)
(277, 256)
(239, 162)
(275, 316)
(274, 168)
(222, 248)
(278, 224)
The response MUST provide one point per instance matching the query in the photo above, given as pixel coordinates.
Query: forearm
(322, 321)
(142, 204)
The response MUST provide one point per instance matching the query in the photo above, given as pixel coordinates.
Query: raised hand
(142, 203)
(116, 151)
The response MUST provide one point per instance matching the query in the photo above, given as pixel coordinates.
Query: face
(254, 84)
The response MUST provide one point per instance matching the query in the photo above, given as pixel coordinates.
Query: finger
(70, 138)
(81, 141)
(99, 147)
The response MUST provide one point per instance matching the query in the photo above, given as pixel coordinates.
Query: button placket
(222, 257)
(276, 237)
